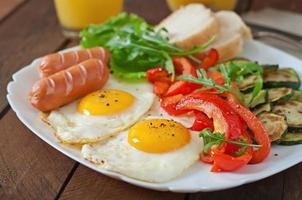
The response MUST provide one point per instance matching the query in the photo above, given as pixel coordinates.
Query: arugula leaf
(135, 46)
(210, 139)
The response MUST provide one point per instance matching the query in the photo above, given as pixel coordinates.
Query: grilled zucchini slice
(285, 77)
(291, 138)
(270, 67)
(292, 110)
(297, 95)
(278, 95)
(259, 99)
(247, 83)
(262, 108)
(275, 125)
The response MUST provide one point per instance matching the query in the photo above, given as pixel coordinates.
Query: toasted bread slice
(232, 33)
(190, 25)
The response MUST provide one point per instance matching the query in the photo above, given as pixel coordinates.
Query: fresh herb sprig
(210, 139)
(209, 83)
(135, 46)
(237, 71)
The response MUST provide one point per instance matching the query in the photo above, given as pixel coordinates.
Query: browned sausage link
(68, 85)
(56, 62)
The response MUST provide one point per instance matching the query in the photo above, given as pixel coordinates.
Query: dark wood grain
(269, 188)
(29, 168)
(292, 183)
(8, 6)
(29, 33)
(88, 184)
(292, 5)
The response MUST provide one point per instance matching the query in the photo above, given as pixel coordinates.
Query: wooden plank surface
(29, 168)
(269, 188)
(88, 184)
(8, 6)
(31, 32)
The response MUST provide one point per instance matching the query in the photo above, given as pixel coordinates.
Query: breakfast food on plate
(56, 62)
(190, 25)
(155, 149)
(168, 101)
(67, 85)
(194, 25)
(102, 113)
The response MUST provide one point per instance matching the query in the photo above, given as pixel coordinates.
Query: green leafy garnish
(135, 46)
(210, 139)
(238, 71)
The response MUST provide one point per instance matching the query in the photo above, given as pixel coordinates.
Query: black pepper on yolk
(158, 135)
(105, 102)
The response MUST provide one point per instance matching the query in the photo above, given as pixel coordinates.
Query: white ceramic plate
(198, 177)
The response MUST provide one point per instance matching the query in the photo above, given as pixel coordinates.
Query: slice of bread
(232, 33)
(190, 25)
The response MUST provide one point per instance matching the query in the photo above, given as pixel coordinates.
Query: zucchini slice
(259, 99)
(270, 67)
(280, 94)
(247, 83)
(262, 108)
(285, 77)
(274, 124)
(291, 138)
(292, 110)
(297, 95)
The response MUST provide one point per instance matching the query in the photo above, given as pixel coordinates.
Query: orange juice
(77, 14)
(214, 4)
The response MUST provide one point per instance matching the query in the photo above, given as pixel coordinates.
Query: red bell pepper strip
(225, 162)
(201, 122)
(182, 87)
(169, 105)
(184, 67)
(158, 74)
(224, 118)
(255, 125)
(160, 88)
(210, 60)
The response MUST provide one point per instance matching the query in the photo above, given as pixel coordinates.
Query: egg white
(73, 127)
(117, 155)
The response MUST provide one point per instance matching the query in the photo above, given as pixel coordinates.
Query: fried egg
(155, 149)
(102, 113)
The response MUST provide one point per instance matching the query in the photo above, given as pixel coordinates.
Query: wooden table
(31, 169)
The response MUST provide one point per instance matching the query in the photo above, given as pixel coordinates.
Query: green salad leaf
(135, 46)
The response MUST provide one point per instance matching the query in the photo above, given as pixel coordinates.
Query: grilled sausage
(68, 85)
(56, 62)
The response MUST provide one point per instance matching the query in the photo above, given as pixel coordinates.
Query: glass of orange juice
(77, 14)
(214, 4)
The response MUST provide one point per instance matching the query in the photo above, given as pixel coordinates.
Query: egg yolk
(158, 135)
(105, 102)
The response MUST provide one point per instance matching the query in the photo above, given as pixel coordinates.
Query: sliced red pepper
(160, 88)
(184, 67)
(202, 122)
(225, 162)
(169, 105)
(255, 125)
(224, 118)
(182, 87)
(210, 59)
(158, 74)
(216, 76)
